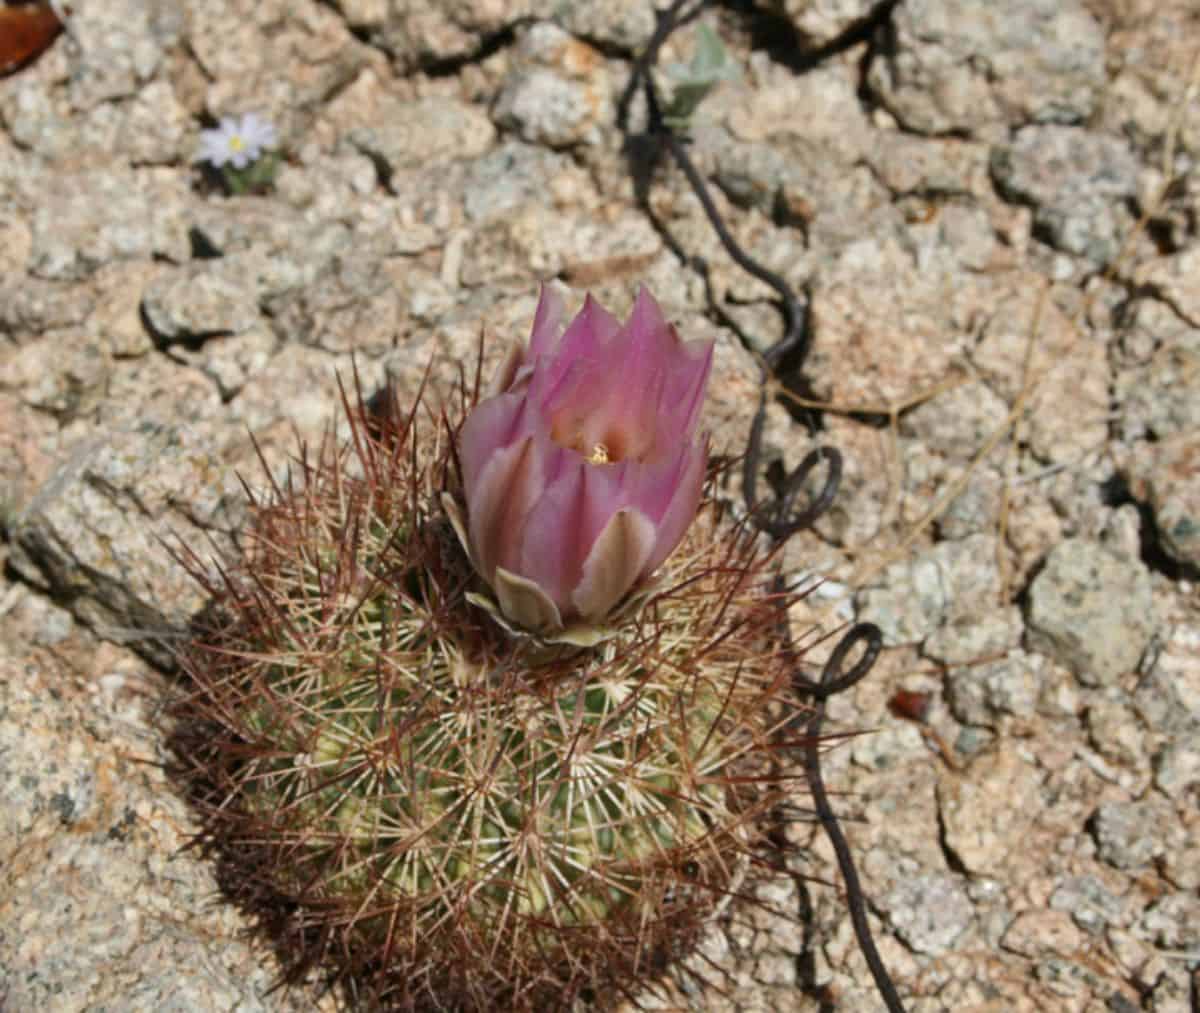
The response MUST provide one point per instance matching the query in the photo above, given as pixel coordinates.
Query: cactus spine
(443, 816)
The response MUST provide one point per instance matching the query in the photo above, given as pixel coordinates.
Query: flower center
(236, 143)
(597, 444)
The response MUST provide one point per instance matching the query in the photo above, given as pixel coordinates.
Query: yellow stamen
(599, 454)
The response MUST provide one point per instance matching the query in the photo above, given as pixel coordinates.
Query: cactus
(443, 815)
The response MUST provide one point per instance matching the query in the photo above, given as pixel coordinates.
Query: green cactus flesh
(444, 781)
(492, 822)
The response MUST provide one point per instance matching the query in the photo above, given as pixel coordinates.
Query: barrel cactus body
(446, 815)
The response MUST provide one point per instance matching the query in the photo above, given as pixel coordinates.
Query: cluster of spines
(443, 816)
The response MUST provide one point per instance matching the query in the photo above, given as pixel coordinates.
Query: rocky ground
(996, 209)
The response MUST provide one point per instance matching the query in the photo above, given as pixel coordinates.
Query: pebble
(1092, 611)
(1076, 182)
(941, 68)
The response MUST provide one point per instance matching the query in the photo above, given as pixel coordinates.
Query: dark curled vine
(834, 680)
(779, 518)
(773, 518)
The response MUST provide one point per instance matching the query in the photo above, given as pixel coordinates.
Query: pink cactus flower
(582, 469)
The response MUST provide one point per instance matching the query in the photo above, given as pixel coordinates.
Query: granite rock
(1090, 902)
(1131, 834)
(1091, 611)
(929, 912)
(102, 906)
(820, 108)
(97, 531)
(1076, 181)
(944, 66)
(82, 221)
(623, 23)
(408, 134)
(118, 47)
(30, 306)
(423, 33)
(411, 214)
(981, 694)
(917, 597)
(1114, 731)
(203, 299)
(986, 813)
(1176, 280)
(1158, 383)
(821, 21)
(970, 636)
(557, 91)
(1166, 475)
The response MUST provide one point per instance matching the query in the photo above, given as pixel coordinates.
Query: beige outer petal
(525, 603)
(617, 559)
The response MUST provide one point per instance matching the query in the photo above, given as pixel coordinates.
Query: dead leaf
(25, 33)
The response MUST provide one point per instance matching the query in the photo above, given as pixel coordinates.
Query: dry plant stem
(1011, 459)
(770, 518)
(888, 408)
(835, 680)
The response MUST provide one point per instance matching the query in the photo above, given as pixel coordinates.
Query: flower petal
(553, 540)
(258, 132)
(525, 603)
(492, 424)
(688, 486)
(506, 489)
(683, 366)
(584, 344)
(686, 383)
(212, 149)
(614, 564)
(506, 372)
(582, 469)
(547, 323)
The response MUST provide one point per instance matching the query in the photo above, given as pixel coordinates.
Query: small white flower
(237, 142)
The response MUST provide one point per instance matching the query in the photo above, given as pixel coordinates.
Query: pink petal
(583, 344)
(553, 541)
(686, 384)
(617, 560)
(682, 361)
(610, 487)
(651, 485)
(506, 489)
(681, 509)
(571, 408)
(650, 403)
(643, 350)
(562, 538)
(547, 323)
(506, 372)
(684, 367)
(492, 424)
(649, 329)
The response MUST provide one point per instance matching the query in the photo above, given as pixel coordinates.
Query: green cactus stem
(442, 815)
